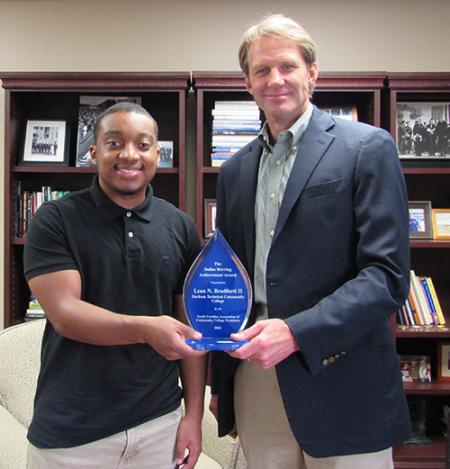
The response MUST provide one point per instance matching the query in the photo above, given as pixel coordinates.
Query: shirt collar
(112, 210)
(296, 130)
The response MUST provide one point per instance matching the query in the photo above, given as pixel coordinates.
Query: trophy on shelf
(217, 296)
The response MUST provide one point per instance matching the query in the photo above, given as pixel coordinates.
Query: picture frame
(349, 113)
(420, 223)
(45, 143)
(210, 208)
(422, 129)
(165, 154)
(415, 368)
(441, 223)
(90, 109)
(443, 375)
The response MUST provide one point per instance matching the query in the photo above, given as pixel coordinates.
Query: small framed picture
(444, 361)
(441, 223)
(420, 225)
(165, 154)
(348, 113)
(422, 129)
(415, 368)
(210, 217)
(45, 143)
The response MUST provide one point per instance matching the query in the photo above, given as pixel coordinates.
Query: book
(415, 307)
(436, 301)
(424, 309)
(34, 310)
(429, 299)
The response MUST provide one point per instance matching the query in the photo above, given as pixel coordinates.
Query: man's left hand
(189, 443)
(271, 341)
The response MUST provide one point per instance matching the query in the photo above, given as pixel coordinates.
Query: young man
(107, 265)
(316, 209)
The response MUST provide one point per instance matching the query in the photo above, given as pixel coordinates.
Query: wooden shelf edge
(431, 389)
(421, 456)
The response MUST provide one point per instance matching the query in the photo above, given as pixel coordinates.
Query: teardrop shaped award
(217, 296)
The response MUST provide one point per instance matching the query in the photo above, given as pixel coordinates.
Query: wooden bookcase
(56, 96)
(426, 180)
(358, 90)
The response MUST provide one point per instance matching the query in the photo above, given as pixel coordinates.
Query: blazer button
(325, 362)
(331, 359)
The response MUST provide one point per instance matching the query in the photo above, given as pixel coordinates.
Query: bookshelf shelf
(424, 389)
(424, 332)
(56, 96)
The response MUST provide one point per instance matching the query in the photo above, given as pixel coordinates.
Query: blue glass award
(217, 296)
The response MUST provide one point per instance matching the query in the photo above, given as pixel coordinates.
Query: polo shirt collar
(111, 210)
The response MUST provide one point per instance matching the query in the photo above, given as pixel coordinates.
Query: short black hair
(123, 106)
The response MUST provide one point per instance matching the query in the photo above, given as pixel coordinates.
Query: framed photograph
(444, 361)
(420, 225)
(415, 368)
(422, 130)
(441, 223)
(89, 110)
(45, 143)
(349, 113)
(166, 154)
(210, 217)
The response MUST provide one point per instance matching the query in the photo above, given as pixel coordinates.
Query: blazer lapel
(248, 179)
(312, 147)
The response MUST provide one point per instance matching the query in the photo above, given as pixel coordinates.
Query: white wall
(177, 35)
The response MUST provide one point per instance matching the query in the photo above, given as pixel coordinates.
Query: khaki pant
(265, 433)
(150, 445)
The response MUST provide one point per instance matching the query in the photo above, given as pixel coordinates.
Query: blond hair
(282, 26)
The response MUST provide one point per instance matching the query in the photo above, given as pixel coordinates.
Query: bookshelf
(359, 90)
(428, 180)
(56, 96)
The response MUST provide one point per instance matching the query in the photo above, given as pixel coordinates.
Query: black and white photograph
(90, 109)
(166, 154)
(347, 113)
(423, 130)
(45, 143)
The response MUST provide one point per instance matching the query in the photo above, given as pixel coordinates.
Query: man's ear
(158, 154)
(93, 153)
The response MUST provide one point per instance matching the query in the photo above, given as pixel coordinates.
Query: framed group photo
(210, 216)
(165, 154)
(422, 130)
(420, 223)
(45, 143)
(441, 223)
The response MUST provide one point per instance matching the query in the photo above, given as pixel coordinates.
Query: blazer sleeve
(358, 308)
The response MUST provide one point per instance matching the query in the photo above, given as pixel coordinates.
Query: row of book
(422, 307)
(26, 203)
(34, 310)
(234, 124)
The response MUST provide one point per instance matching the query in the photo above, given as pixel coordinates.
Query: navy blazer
(338, 267)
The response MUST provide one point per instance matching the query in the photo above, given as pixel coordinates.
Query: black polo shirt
(130, 262)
